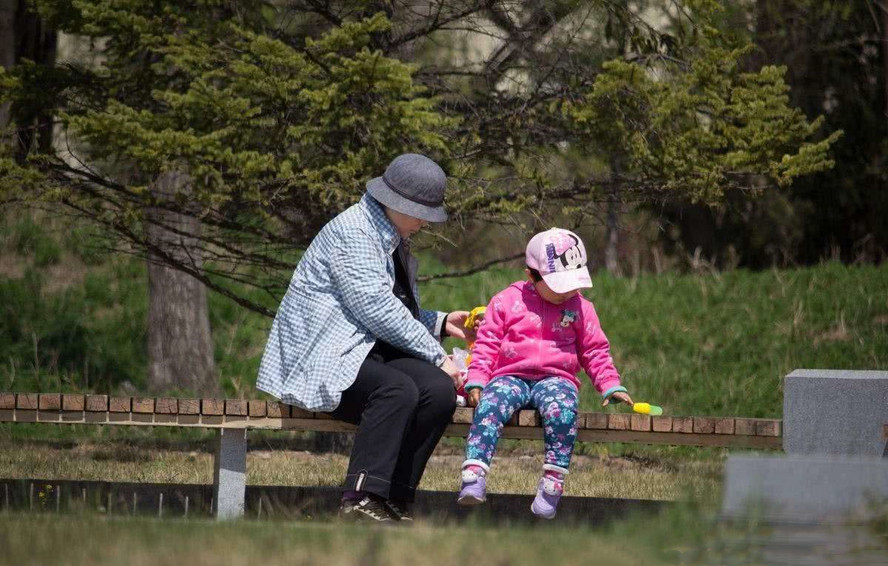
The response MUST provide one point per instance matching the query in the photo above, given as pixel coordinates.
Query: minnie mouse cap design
(560, 257)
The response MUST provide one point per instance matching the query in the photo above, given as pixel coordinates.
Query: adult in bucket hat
(351, 339)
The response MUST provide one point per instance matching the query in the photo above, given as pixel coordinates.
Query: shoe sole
(540, 515)
(470, 501)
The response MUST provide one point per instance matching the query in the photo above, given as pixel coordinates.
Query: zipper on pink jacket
(539, 360)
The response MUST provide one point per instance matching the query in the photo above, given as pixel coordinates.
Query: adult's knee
(442, 397)
(400, 392)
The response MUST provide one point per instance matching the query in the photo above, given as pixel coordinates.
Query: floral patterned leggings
(556, 400)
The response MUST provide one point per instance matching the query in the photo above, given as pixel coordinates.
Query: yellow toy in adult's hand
(473, 321)
(647, 409)
(475, 317)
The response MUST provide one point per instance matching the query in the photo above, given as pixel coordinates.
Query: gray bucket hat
(413, 185)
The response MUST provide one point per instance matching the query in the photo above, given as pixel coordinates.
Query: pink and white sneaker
(473, 490)
(549, 492)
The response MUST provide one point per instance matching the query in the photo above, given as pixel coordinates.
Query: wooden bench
(233, 417)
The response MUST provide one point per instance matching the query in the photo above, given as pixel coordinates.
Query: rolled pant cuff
(473, 462)
(554, 468)
(362, 481)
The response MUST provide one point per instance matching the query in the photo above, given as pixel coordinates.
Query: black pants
(401, 406)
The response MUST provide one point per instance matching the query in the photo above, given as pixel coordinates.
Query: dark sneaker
(367, 509)
(399, 511)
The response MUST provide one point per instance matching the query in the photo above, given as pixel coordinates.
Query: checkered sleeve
(358, 270)
(433, 321)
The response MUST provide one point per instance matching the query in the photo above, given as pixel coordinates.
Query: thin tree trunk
(180, 346)
(7, 47)
(611, 249)
(884, 8)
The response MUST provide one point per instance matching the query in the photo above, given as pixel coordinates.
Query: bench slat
(463, 415)
(166, 406)
(120, 404)
(661, 424)
(212, 407)
(50, 402)
(143, 405)
(257, 408)
(26, 401)
(189, 406)
(72, 402)
(640, 423)
(744, 427)
(704, 425)
(97, 403)
(259, 414)
(236, 407)
(618, 422)
(593, 420)
(7, 401)
(528, 418)
(277, 410)
(724, 426)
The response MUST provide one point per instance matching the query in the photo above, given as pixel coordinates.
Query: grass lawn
(630, 475)
(138, 542)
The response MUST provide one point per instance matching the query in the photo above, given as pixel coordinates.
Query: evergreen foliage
(279, 112)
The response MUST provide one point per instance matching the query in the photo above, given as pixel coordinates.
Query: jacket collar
(388, 234)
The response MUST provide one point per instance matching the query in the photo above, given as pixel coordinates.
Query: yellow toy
(476, 316)
(647, 409)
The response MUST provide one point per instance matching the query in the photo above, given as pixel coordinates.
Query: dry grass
(138, 542)
(595, 476)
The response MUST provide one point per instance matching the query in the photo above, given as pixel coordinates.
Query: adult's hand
(450, 369)
(456, 326)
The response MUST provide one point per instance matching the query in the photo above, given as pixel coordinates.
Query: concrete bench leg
(230, 476)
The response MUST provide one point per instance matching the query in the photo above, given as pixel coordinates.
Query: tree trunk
(884, 9)
(25, 35)
(611, 249)
(180, 345)
(7, 47)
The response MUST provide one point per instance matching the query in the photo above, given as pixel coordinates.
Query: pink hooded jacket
(527, 336)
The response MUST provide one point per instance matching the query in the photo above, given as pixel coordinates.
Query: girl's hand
(622, 396)
(473, 397)
(456, 326)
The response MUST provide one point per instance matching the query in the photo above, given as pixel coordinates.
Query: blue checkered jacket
(339, 302)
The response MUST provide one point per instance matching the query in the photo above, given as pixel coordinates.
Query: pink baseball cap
(560, 257)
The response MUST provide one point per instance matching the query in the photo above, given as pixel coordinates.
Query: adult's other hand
(456, 321)
(450, 369)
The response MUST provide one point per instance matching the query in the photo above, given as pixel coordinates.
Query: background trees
(278, 112)
(213, 139)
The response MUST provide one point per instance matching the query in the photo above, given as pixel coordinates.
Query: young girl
(535, 337)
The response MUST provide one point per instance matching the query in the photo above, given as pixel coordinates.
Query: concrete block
(835, 412)
(806, 488)
(230, 476)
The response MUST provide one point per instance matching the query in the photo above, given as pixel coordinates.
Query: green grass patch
(666, 537)
(720, 344)
(712, 344)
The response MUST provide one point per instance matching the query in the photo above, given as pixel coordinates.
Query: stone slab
(835, 412)
(804, 488)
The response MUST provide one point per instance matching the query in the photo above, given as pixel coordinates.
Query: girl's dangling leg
(556, 399)
(499, 401)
